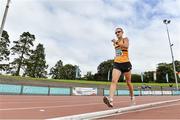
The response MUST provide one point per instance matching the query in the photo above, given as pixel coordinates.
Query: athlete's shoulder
(126, 38)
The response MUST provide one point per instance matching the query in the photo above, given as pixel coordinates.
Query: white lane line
(101, 114)
(41, 110)
(37, 101)
(43, 102)
(58, 101)
(26, 108)
(51, 101)
(88, 104)
(74, 105)
(140, 110)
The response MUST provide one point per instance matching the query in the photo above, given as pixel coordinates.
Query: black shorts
(123, 67)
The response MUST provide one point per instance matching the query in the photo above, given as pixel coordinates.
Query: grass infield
(81, 81)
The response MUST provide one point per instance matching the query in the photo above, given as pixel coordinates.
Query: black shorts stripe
(123, 67)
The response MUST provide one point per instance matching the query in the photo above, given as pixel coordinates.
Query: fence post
(22, 87)
(48, 90)
(117, 92)
(140, 91)
(103, 91)
(71, 91)
(171, 87)
(161, 90)
(99, 91)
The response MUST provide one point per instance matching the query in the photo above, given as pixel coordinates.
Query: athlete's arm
(115, 43)
(124, 44)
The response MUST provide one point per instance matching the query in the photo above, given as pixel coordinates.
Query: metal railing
(12, 89)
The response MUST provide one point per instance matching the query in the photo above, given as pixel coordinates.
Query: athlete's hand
(113, 40)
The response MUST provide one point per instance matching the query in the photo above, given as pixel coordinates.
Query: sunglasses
(117, 32)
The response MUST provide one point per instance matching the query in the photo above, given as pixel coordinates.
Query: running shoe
(107, 101)
(133, 101)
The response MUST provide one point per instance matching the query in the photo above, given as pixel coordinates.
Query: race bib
(118, 52)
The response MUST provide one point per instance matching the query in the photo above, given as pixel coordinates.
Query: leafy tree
(36, 64)
(4, 51)
(148, 76)
(68, 72)
(56, 70)
(22, 49)
(98, 77)
(177, 64)
(136, 78)
(162, 70)
(103, 70)
(89, 76)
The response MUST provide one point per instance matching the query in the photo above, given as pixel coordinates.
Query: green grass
(82, 81)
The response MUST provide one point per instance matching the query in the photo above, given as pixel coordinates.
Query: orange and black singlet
(122, 54)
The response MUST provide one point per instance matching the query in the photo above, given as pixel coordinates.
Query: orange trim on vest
(123, 58)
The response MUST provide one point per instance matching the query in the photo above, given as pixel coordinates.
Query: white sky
(79, 32)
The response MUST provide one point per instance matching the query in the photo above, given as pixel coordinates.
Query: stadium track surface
(46, 107)
(169, 111)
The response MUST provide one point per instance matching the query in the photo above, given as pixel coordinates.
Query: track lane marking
(140, 110)
(25, 108)
(100, 114)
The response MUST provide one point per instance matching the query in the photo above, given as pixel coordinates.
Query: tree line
(32, 62)
(28, 61)
(159, 75)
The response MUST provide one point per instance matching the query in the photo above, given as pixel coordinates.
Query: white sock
(133, 98)
(110, 99)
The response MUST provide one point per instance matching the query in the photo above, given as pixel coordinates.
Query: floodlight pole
(166, 22)
(4, 18)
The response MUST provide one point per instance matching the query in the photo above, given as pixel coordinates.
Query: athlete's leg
(129, 84)
(115, 77)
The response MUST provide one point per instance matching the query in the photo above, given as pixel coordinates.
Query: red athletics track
(168, 111)
(43, 107)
